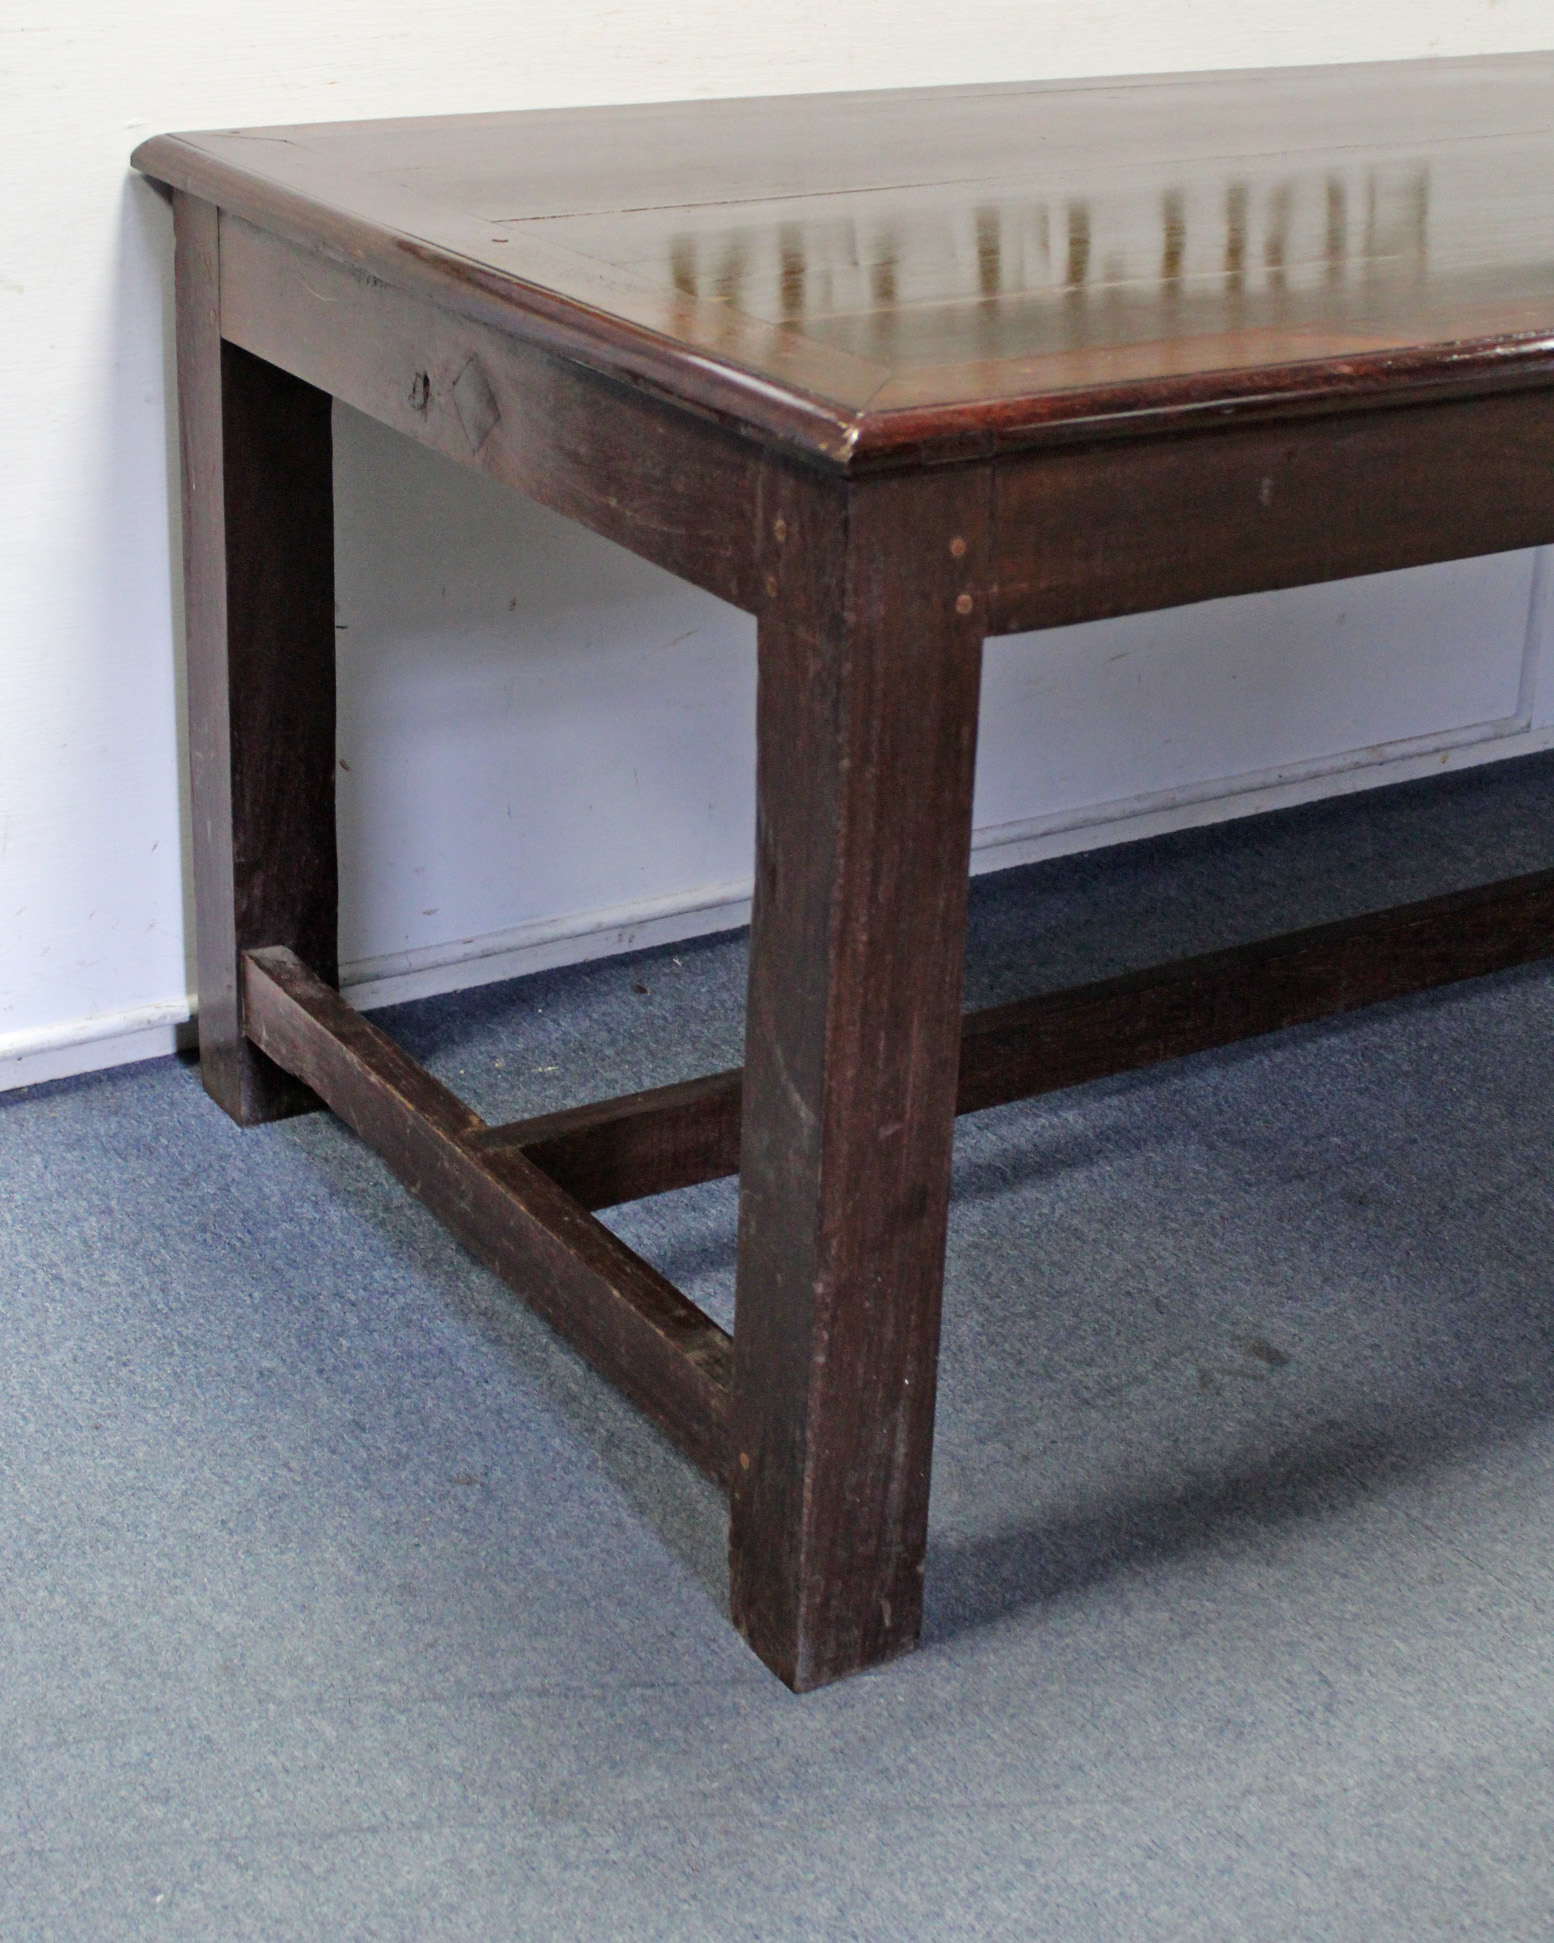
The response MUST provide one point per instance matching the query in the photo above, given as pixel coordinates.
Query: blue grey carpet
(338, 1599)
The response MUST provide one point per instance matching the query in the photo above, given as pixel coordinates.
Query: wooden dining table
(893, 372)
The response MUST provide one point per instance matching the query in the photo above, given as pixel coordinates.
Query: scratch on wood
(475, 403)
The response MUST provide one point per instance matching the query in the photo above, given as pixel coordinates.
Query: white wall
(549, 743)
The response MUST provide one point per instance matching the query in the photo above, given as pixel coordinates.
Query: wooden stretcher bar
(520, 1196)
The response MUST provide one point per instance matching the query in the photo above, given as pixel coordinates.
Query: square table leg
(258, 544)
(870, 666)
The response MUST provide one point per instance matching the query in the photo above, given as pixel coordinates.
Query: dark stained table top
(970, 268)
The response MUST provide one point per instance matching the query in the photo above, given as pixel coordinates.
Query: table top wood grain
(884, 278)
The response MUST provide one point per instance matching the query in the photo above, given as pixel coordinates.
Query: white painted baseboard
(94, 1044)
(570, 940)
(1005, 846)
(154, 1031)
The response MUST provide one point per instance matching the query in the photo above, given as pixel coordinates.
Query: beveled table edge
(867, 438)
(745, 400)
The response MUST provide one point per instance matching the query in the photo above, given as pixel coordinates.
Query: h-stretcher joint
(521, 1196)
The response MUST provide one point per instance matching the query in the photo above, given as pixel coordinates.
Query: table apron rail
(670, 485)
(1130, 527)
(675, 1136)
